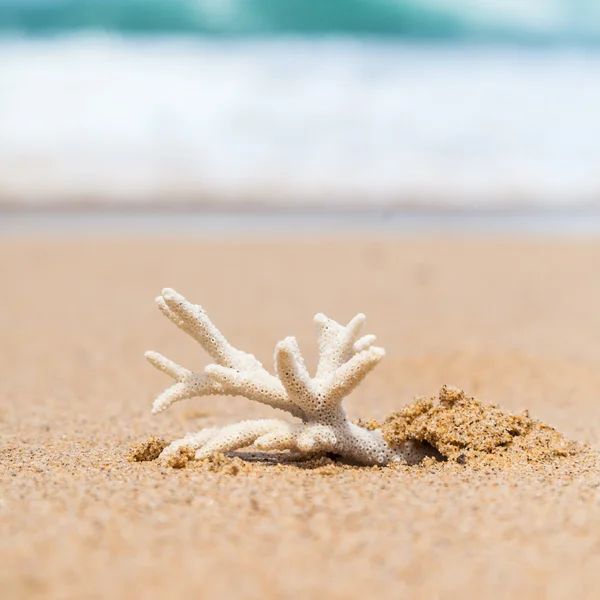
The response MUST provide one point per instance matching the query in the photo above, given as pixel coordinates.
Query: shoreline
(73, 221)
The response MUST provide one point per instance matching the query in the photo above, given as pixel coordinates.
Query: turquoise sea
(534, 21)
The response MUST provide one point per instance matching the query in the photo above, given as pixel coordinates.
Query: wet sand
(513, 322)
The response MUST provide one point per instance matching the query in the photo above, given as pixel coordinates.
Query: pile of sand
(465, 430)
(148, 450)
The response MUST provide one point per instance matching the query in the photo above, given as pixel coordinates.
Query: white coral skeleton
(345, 359)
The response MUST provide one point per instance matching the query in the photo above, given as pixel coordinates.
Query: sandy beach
(511, 321)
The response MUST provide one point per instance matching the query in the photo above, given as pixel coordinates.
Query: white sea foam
(302, 121)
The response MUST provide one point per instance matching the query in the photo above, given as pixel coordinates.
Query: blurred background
(275, 104)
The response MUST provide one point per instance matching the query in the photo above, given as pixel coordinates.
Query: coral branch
(292, 372)
(189, 384)
(245, 433)
(192, 319)
(254, 386)
(349, 375)
(336, 343)
(234, 373)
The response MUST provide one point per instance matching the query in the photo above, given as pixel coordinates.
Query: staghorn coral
(345, 359)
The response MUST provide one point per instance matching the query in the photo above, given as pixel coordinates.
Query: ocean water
(530, 21)
(380, 103)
